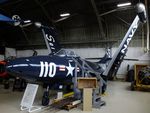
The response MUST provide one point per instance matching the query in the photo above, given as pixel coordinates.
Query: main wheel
(104, 88)
(133, 85)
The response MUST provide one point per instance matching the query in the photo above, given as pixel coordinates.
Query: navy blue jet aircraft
(61, 66)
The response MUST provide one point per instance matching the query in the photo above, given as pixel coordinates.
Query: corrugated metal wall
(117, 28)
(81, 31)
(78, 29)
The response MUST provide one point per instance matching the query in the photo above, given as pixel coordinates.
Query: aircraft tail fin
(118, 57)
(50, 35)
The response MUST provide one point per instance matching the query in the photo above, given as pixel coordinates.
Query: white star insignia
(70, 70)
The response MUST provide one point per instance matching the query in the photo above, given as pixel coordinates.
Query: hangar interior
(92, 27)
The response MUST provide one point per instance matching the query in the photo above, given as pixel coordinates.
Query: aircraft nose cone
(16, 66)
(26, 68)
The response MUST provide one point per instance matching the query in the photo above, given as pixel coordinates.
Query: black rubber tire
(6, 85)
(132, 85)
(130, 76)
(104, 87)
(45, 99)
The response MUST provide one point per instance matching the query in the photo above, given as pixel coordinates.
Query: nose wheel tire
(133, 85)
(6, 85)
(45, 98)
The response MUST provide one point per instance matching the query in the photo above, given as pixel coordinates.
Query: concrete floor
(119, 99)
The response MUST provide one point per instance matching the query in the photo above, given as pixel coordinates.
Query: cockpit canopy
(68, 53)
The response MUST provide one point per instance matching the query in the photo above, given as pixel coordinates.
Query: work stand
(85, 72)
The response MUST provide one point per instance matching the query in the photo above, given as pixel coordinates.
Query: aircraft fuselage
(43, 68)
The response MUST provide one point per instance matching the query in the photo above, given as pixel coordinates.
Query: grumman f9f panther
(61, 66)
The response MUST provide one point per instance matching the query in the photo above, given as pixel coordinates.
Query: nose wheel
(45, 98)
(6, 85)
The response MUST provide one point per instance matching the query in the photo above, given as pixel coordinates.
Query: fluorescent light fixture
(65, 14)
(124, 4)
(27, 21)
